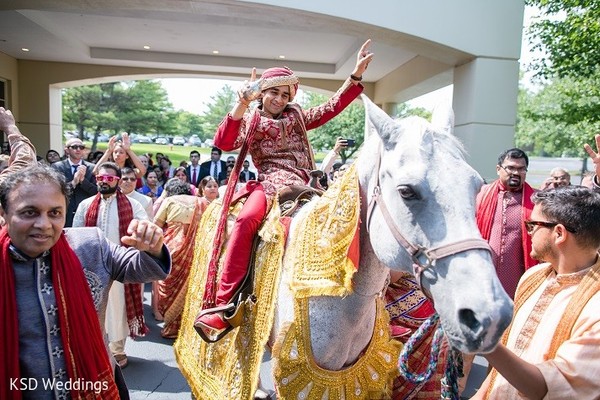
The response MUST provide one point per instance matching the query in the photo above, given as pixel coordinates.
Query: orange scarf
(487, 209)
(85, 352)
(134, 303)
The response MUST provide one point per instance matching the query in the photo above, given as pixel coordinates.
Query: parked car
(103, 138)
(143, 139)
(161, 140)
(178, 141)
(195, 141)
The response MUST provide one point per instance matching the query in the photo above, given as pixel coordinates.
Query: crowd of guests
(132, 219)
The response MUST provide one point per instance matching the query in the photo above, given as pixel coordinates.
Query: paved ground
(152, 373)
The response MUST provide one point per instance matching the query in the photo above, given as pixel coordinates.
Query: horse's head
(426, 201)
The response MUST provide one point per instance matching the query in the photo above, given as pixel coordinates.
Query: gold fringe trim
(229, 369)
(297, 376)
(319, 247)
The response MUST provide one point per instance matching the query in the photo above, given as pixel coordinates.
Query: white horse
(417, 208)
(417, 204)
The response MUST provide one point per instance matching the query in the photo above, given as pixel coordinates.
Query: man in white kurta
(116, 325)
(553, 345)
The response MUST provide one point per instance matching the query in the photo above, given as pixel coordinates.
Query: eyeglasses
(77, 147)
(107, 178)
(514, 170)
(530, 225)
(127, 179)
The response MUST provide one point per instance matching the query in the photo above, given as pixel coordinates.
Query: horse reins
(422, 257)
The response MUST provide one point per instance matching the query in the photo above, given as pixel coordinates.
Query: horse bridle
(421, 256)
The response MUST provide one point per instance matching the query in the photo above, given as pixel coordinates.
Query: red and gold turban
(280, 76)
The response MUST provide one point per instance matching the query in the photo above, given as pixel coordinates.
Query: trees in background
(142, 107)
(136, 107)
(349, 124)
(221, 103)
(564, 112)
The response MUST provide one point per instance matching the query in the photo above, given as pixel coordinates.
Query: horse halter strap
(422, 257)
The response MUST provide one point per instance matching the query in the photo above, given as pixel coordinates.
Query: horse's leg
(341, 327)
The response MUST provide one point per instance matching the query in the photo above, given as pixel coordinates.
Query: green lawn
(175, 153)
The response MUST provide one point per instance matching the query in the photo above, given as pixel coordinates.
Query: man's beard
(514, 182)
(543, 254)
(105, 189)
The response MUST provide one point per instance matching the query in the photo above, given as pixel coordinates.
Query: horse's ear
(443, 118)
(376, 120)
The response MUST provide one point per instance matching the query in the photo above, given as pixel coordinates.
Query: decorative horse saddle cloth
(291, 199)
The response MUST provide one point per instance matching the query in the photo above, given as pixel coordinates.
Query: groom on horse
(275, 135)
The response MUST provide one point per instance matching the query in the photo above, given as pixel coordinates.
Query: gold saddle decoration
(297, 376)
(319, 246)
(229, 369)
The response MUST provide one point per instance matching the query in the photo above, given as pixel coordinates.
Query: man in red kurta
(502, 206)
(275, 135)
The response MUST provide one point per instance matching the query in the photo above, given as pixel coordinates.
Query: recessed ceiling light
(146, 47)
(215, 51)
(282, 57)
(25, 49)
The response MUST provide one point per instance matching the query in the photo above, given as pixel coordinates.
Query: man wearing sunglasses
(553, 345)
(78, 174)
(502, 206)
(112, 211)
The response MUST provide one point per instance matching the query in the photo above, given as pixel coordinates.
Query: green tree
(136, 107)
(221, 103)
(568, 35)
(349, 124)
(145, 108)
(565, 112)
(190, 124)
(554, 121)
(91, 108)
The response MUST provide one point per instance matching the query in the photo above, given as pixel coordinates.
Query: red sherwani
(280, 149)
(282, 155)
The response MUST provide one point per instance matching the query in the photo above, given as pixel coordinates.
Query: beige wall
(9, 72)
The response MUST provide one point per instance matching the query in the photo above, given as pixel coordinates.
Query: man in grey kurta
(34, 204)
(103, 262)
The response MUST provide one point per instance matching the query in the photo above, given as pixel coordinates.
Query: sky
(192, 95)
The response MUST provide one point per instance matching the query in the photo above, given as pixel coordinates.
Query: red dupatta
(487, 208)
(134, 302)
(85, 354)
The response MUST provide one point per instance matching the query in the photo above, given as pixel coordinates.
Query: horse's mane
(439, 136)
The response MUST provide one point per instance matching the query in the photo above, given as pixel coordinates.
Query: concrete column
(389, 108)
(56, 116)
(485, 106)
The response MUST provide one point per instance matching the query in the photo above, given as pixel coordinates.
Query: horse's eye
(407, 192)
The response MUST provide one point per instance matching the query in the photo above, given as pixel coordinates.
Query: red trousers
(239, 247)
